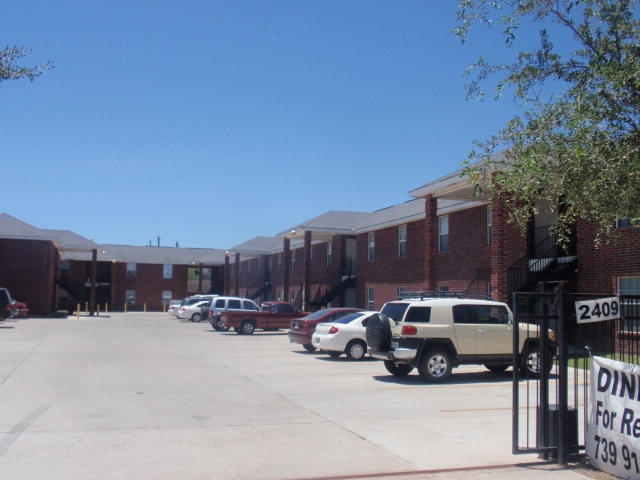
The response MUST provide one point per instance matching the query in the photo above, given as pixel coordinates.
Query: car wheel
(334, 354)
(217, 324)
(309, 348)
(532, 361)
(248, 327)
(379, 332)
(196, 317)
(356, 350)
(497, 368)
(398, 369)
(435, 366)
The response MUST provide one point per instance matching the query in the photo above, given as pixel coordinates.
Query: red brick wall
(387, 271)
(468, 250)
(27, 269)
(600, 267)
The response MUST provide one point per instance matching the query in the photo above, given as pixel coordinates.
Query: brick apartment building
(56, 270)
(438, 240)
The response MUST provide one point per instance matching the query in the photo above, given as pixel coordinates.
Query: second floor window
(131, 270)
(167, 272)
(402, 241)
(443, 233)
(371, 246)
(329, 253)
(293, 260)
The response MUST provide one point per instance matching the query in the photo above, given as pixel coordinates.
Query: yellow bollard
(86, 307)
(125, 308)
(98, 307)
(145, 308)
(106, 307)
(78, 311)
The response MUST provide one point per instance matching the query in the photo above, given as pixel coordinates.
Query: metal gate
(550, 412)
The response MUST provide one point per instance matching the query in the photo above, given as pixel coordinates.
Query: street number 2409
(603, 309)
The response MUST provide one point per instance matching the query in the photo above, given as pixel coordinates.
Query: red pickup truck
(272, 316)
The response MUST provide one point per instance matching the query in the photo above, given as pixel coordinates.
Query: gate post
(563, 374)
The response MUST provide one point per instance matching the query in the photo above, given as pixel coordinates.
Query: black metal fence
(550, 413)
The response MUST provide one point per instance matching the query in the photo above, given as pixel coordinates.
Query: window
(166, 297)
(629, 306)
(279, 261)
(489, 224)
(131, 270)
(371, 246)
(627, 222)
(130, 296)
(167, 272)
(234, 304)
(418, 315)
(443, 233)
(402, 291)
(371, 294)
(293, 260)
(476, 314)
(329, 253)
(249, 305)
(402, 241)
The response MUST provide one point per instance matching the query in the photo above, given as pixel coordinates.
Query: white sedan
(194, 312)
(345, 335)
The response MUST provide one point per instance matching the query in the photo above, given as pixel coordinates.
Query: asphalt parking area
(148, 396)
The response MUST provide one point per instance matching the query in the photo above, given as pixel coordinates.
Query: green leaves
(576, 142)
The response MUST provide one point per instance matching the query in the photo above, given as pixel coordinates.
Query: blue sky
(210, 122)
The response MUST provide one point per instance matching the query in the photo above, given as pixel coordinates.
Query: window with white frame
(167, 295)
(489, 224)
(629, 307)
(329, 253)
(131, 270)
(443, 233)
(371, 246)
(167, 272)
(371, 297)
(130, 296)
(402, 241)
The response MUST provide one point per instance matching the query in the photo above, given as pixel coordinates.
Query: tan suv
(437, 334)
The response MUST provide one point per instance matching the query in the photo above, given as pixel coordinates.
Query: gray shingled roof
(160, 255)
(264, 246)
(11, 227)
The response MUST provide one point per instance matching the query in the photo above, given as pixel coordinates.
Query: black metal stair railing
(549, 262)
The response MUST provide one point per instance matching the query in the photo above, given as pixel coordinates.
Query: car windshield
(348, 318)
(395, 310)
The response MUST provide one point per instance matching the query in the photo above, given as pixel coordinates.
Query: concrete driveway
(146, 396)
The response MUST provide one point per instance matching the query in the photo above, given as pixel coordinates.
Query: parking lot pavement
(147, 396)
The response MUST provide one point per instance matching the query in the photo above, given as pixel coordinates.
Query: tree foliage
(11, 70)
(575, 144)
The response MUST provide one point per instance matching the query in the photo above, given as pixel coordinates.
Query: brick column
(306, 271)
(236, 286)
(430, 242)
(226, 274)
(499, 245)
(286, 274)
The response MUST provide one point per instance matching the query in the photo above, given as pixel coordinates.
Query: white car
(174, 307)
(194, 312)
(346, 335)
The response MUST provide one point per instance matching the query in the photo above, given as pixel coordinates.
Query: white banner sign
(613, 431)
(598, 310)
